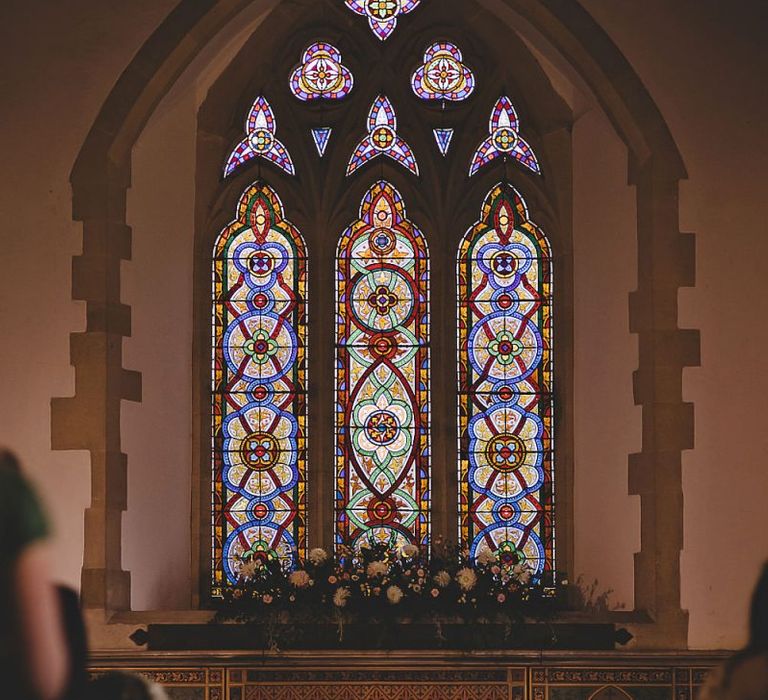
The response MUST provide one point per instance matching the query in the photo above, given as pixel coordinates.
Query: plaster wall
(703, 67)
(704, 64)
(58, 61)
(607, 424)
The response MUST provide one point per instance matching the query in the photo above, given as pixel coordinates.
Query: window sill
(369, 636)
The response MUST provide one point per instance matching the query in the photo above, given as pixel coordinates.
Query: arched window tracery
(504, 280)
(259, 382)
(382, 375)
(356, 506)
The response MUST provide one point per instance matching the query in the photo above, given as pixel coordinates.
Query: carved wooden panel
(615, 683)
(378, 684)
(180, 683)
(356, 677)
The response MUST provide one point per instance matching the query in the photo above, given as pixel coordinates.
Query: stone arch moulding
(666, 261)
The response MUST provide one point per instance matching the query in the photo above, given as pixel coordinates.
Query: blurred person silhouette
(745, 675)
(118, 685)
(77, 646)
(34, 661)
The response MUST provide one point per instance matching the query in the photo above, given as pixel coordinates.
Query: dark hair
(758, 628)
(758, 615)
(9, 461)
(117, 685)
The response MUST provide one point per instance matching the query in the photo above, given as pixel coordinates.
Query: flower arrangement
(378, 581)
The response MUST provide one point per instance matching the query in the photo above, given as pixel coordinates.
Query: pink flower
(435, 592)
(266, 598)
(501, 597)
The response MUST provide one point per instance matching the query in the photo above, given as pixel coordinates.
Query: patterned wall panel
(179, 683)
(377, 684)
(616, 683)
(454, 678)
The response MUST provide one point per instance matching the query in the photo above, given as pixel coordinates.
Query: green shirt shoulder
(22, 520)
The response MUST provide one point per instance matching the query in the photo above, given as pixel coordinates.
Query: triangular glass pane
(443, 138)
(321, 135)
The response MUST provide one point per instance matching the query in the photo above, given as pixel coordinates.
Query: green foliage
(377, 582)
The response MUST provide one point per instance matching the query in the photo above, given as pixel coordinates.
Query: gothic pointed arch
(505, 329)
(382, 376)
(101, 176)
(258, 388)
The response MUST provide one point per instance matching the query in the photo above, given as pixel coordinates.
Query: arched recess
(101, 176)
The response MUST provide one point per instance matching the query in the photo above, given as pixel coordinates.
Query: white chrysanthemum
(248, 569)
(376, 568)
(485, 557)
(318, 556)
(394, 594)
(466, 578)
(442, 578)
(341, 596)
(410, 550)
(299, 579)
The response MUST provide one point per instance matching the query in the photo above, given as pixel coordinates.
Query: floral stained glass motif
(382, 14)
(260, 140)
(321, 75)
(443, 138)
(321, 136)
(382, 376)
(259, 384)
(382, 139)
(505, 385)
(504, 139)
(443, 75)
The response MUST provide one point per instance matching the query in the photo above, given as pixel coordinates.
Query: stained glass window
(321, 75)
(259, 387)
(443, 139)
(504, 139)
(382, 14)
(382, 139)
(382, 375)
(505, 384)
(260, 140)
(321, 135)
(443, 75)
